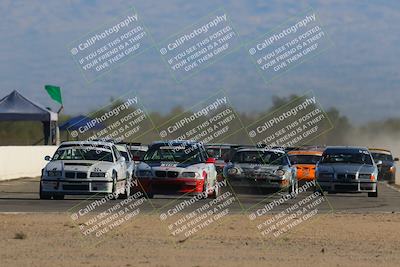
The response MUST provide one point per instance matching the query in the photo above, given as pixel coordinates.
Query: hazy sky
(359, 74)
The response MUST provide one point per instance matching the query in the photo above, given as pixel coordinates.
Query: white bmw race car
(85, 168)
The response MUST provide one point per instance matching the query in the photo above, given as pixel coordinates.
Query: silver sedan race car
(347, 169)
(258, 168)
(85, 168)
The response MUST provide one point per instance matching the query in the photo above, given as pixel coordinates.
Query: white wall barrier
(23, 161)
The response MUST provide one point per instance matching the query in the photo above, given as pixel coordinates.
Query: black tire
(127, 192)
(43, 195)
(217, 191)
(373, 194)
(58, 197)
(293, 188)
(205, 194)
(317, 189)
(149, 195)
(114, 189)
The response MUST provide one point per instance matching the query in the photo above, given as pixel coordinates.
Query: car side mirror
(210, 161)
(121, 159)
(47, 158)
(379, 162)
(396, 159)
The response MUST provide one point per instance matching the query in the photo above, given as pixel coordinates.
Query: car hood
(345, 168)
(169, 166)
(248, 167)
(81, 165)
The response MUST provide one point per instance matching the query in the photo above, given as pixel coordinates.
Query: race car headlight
(54, 173)
(144, 173)
(232, 171)
(280, 172)
(190, 175)
(392, 169)
(97, 174)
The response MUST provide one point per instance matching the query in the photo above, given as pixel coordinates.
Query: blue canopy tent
(75, 123)
(15, 107)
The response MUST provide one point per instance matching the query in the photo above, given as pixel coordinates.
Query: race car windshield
(380, 156)
(138, 154)
(355, 158)
(83, 154)
(304, 159)
(124, 154)
(218, 153)
(258, 157)
(173, 153)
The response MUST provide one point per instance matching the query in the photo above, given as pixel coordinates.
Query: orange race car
(305, 161)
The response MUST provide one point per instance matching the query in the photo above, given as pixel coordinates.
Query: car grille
(169, 174)
(81, 175)
(161, 173)
(346, 176)
(69, 174)
(77, 164)
(349, 187)
(78, 187)
(76, 175)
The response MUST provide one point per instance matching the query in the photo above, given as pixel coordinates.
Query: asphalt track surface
(21, 195)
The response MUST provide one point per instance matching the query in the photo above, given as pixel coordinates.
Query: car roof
(345, 148)
(122, 147)
(260, 150)
(305, 152)
(78, 143)
(220, 145)
(380, 150)
(175, 142)
(140, 148)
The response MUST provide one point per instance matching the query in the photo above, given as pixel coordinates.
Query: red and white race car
(177, 167)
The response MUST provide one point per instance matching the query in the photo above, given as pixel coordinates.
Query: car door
(120, 165)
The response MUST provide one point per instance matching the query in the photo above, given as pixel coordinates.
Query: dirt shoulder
(333, 240)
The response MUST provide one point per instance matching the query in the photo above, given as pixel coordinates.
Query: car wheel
(373, 194)
(43, 195)
(216, 192)
(204, 193)
(318, 189)
(293, 189)
(149, 195)
(58, 197)
(127, 192)
(114, 189)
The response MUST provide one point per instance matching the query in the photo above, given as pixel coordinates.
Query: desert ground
(52, 239)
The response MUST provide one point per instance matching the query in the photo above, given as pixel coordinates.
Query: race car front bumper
(168, 186)
(353, 186)
(267, 183)
(76, 186)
